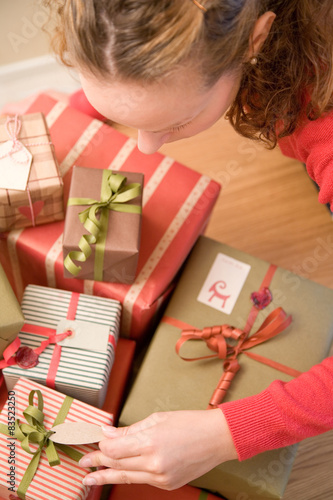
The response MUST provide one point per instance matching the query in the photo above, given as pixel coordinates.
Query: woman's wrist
(225, 447)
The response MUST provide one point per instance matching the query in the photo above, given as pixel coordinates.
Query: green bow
(35, 432)
(114, 196)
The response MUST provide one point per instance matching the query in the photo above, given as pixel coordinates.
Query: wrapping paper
(119, 378)
(177, 202)
(170, 383)
(61, 482)
(145, 492)
(121, 249)
(82, 373)
(11, 316)
(45, 184)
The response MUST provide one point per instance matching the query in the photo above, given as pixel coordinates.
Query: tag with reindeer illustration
(224, 283)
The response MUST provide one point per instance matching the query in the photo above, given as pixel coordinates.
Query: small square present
(103, 225)
(61, 481)
(146, 492)
(31, 187)
(222, 286)
(11, 316)
(68, 342)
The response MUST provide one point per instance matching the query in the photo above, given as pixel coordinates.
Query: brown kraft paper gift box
(45, 185)
(122, 241)
(11, 316)
(166, 382)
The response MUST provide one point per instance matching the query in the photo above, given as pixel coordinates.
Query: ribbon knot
(13, 127)
(115, 195)
(216, 339)
(34, 432)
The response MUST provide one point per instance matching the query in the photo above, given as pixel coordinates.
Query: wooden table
(268, 207)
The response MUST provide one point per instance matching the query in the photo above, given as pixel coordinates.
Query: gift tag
(85, 335)
(224, 283)
(77, 433)
(14, 166)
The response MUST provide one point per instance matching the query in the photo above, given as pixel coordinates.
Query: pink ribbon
(13, 127)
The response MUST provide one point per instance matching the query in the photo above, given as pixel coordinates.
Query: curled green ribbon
(34, 432)
(115, 194)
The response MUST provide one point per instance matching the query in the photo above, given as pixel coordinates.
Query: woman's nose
(150, 142)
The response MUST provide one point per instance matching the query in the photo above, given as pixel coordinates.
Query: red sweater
(286, 413)
(312, 144)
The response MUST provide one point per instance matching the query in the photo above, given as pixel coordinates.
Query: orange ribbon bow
(216, 339)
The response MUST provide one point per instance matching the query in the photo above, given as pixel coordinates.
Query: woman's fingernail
(109, 431)
(85, 462)
(89, 481)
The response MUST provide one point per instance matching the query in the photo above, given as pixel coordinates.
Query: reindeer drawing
(216, 290)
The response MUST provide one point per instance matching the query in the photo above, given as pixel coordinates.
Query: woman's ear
(260, 32)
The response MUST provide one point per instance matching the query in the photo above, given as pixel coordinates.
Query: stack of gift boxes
(93, 281)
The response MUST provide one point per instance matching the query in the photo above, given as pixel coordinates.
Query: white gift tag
(86, 335)
(224, 283)
(77, 433)
(14, 166)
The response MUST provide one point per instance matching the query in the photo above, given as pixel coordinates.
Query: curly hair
(144, 41)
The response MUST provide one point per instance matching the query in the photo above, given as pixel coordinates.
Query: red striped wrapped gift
(177, 203)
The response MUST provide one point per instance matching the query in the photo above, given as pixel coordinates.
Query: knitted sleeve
(312, 144)
(284, 413)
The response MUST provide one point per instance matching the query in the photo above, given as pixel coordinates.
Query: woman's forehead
(152, 106)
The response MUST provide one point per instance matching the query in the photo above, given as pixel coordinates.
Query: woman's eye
(180, 127)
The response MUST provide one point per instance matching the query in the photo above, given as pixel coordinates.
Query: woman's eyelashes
(179, 127)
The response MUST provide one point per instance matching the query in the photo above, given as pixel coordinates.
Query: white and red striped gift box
(177, 203)
(61, 482)
(81, 372)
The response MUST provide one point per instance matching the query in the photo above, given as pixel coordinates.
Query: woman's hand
(166, 450)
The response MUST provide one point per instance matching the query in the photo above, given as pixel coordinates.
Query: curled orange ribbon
(216, 339)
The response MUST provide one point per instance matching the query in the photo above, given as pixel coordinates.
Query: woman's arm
(284, 413)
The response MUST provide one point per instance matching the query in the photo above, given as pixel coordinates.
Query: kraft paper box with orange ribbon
(275, 326)
(177, 203)
(31, 188)
(103, 225)
(67, 342)
(46, 471)
(11, 316)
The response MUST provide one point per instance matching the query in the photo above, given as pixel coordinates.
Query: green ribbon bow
(35, 432)
(115, 194)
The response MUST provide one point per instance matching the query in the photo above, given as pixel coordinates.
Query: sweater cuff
(255, 424)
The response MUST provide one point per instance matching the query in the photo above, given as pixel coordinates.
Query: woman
(171, 69)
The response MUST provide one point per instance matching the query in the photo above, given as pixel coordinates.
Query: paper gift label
(77, 433)
(85, 335)
(14, 166)
(224, 283)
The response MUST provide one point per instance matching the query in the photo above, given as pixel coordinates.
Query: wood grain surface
(269, 208)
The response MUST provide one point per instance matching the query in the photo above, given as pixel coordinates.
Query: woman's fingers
(167, 449)
(98, 459)
(111, 476)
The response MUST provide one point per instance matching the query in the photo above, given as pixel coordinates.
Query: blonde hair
(146, 40)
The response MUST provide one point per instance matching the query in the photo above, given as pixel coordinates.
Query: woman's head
(146, 40)
(148, 45)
